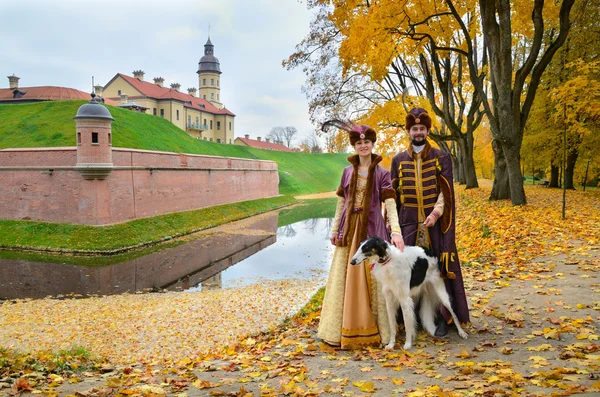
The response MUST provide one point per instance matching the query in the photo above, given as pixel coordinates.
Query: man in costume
(422, 178)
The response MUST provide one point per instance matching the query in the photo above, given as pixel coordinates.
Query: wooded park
(513, 83)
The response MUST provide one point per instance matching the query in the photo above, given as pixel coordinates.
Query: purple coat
(436, 169)
(379, 188)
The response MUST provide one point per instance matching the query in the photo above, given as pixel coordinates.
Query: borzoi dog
(406, 277)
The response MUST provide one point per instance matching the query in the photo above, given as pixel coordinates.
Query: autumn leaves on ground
(533, 289)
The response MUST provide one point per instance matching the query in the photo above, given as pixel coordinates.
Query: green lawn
(51, 124)
(68, 237)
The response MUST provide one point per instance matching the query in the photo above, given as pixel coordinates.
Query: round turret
(93, 110)
(94, 140)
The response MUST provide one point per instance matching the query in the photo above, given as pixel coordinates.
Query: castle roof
(44, 93)
(155, 91)
(209, 62)
(264, 145)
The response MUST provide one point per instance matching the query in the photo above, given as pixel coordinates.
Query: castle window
(189, 120)
(212, 95)
(230, 141)
(119, 92)
(177, 113)
(218, 99)
(212, 81)
(204, 96)
(95, 137)
(109, 139)
(203, 81)
(79, 138)
(218, 125)
(162, 113)
(211, 124)
(218, 140)
(154, 111)
(217, 82)
(230, 126)
(204, 121)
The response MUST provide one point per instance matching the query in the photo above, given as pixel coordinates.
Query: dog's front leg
(392, 307)
(408, 312)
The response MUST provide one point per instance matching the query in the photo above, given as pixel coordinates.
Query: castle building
(203, 116)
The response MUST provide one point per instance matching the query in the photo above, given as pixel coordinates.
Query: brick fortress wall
(44, 185)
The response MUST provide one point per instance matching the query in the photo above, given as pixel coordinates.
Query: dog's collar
(382, 263)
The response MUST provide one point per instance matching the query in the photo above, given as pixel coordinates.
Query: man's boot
(441, 328)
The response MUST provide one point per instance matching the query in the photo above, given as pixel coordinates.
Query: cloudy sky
(66, 42)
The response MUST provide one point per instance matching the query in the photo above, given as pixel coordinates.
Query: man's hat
(355, 131)
(418, 116)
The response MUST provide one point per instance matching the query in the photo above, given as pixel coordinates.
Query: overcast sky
(66, 42)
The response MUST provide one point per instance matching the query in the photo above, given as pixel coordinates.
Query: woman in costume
(354, 313)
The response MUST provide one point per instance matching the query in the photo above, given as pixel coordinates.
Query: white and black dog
(405, 278)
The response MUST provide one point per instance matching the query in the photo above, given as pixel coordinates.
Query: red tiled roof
(46, 93)
(155, 91)
(265, 145)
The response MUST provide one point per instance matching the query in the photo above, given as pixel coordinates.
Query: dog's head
(373, 246)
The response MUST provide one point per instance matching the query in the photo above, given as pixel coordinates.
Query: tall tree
(283, 135)
(290, 133)
(528, 49)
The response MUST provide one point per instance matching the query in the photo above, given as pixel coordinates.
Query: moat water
(288, 244)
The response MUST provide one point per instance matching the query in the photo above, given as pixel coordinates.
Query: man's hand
(398, 241)
(430, 221)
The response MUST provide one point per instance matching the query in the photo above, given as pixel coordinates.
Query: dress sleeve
(438, 208)
(338, 214)
(392, 215)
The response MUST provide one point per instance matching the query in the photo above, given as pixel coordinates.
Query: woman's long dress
(354, 314)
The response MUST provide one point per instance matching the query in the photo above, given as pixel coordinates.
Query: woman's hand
(398, 241)
(334, 239)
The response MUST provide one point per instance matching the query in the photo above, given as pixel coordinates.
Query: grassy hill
(51, 124)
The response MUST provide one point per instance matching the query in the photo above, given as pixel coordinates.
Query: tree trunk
(515, 178)
(461, 167)
(570, 169)
(500, 188)
(455, 166)
(468, 166)
(553, 176)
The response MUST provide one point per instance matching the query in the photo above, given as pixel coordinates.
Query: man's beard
(419, 142)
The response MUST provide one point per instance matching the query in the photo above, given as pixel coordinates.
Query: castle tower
(94, 140)
(209, 76)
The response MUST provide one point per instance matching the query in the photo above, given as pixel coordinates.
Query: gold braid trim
(446, 219)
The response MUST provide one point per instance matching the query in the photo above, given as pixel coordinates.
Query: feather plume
(342, 125)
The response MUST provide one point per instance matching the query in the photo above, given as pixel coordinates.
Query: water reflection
(302, 251)
(257, 246)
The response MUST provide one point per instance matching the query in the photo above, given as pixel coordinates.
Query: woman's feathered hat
(355, 131)
(418, 116)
